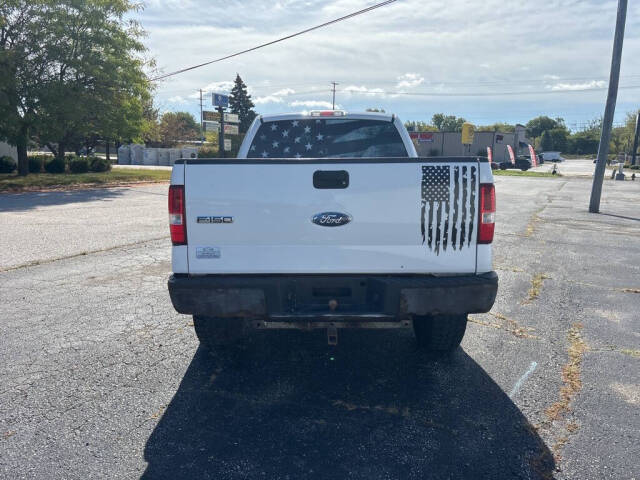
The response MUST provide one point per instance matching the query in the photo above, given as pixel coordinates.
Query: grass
(35, 181)
(536, 286)
(520, 173)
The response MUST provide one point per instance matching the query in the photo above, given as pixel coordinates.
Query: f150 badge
(331, 219)
(215, 220)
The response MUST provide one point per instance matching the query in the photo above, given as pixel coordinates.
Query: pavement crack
(76, 255)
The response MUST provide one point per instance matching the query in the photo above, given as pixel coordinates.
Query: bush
(36, 162)
(207, 152)
(97, 164)
(7, 164)
(434, 152)
(55, 165)
(79, 165)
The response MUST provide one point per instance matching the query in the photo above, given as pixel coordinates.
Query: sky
(487, 61)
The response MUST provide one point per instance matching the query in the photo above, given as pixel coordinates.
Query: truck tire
(217, 331)
(439, 334)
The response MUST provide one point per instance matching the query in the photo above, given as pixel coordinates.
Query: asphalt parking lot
(102, 379)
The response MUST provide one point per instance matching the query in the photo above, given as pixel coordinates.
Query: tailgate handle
(330, 179)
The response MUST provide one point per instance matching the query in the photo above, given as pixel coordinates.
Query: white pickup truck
(331, 220)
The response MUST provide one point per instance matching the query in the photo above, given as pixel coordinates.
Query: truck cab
(331, 220)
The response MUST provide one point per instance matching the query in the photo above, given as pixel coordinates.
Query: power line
(331, 22)
(482, 94)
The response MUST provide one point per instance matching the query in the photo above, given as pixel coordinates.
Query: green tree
(447, 123)
(79, 75)
(178, 126)
(537, 125)
(497, 127)
(546, 141)
(23, 71)
(419, 126)
(241, 104)
(97, 85)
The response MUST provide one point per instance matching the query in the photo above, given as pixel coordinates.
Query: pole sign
(534, 159)
(512, 156)
(227, 144)
(209, 116)
(231, 129)
(211, 126)
(468, 129)
(220, 100)
(231, 118)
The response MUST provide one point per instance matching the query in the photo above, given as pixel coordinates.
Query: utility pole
(201, 120)
(614, 78)
(635, 140)
(334, 95)
(221, 134)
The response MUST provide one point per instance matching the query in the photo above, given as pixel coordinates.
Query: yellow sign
(468, 129)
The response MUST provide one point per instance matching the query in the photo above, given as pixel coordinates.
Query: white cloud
(275, 97)
(403, 42)
(370, 92)
(409, 80)
(578, 86)
(177, 99)
(312, 104)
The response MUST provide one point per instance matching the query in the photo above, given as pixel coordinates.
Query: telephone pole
(614, 78)
(334, 95)
(635, 140)
(201, 119)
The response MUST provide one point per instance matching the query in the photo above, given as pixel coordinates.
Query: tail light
(487, 213)
(177, 217)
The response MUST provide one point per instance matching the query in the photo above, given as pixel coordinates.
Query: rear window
(327, 138)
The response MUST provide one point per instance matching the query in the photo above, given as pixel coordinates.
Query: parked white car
(330, 220)
(552, 157)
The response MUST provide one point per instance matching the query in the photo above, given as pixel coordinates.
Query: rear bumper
(356, 297)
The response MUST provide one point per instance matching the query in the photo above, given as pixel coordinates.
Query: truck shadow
(286, 405)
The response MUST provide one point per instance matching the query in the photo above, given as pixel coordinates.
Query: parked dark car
(523, 163)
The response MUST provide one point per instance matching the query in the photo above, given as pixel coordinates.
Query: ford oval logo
(331, 219)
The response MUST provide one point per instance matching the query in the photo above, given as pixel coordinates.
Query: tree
(447, 123)
(23, 66)
(241, 104)
(419, 126)
(546, 141)
(78, 73)
(536, 126)
(497, 127)
(178, 126)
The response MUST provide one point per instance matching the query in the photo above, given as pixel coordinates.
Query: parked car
(552, 157)
(522, 163)
(330, 220)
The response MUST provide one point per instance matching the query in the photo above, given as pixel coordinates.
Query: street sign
(231, 118)
(209, 116)
(211, 126)
(220, 100)
(215, 117)
(467, 133)
(227, 144)
(231, 129)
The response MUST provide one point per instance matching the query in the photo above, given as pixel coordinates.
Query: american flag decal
(448, 206)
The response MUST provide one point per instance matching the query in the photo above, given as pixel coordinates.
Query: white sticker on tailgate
(207, 252)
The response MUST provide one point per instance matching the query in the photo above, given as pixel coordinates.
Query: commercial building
(430, 144)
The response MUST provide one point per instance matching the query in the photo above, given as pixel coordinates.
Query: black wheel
(439, 334)
(503, 167)
(217, 331)
(524, 169)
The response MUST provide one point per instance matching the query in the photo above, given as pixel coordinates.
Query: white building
(8, 150)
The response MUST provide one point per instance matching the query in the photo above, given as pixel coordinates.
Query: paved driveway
(102, 379)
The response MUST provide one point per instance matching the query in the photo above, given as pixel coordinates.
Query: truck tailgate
(409, 216)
